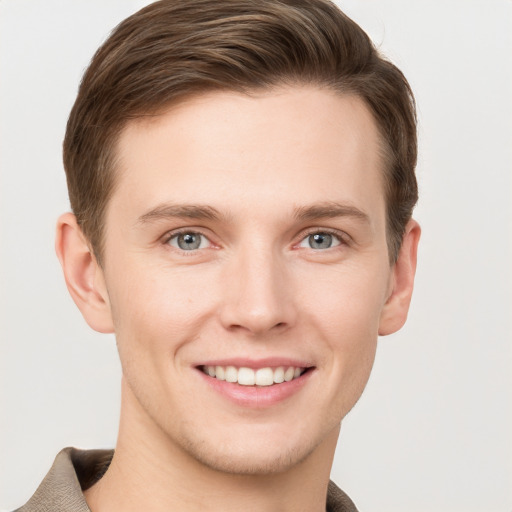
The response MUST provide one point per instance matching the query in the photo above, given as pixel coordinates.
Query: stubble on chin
(249, 460)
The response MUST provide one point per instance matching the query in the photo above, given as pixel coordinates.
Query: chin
(247, 462)
(251, 454)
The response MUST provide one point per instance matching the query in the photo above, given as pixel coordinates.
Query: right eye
(321, 240)
(189, 241)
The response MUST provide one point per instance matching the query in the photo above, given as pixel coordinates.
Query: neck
(150, 472)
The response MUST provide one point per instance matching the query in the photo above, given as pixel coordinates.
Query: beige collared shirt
(76, 470)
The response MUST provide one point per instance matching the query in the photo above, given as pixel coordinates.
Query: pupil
(320, 241)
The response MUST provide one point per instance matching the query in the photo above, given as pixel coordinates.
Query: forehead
(286, 147)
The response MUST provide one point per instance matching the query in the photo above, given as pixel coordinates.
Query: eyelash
(341, 237)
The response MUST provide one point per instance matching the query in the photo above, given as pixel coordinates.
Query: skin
(276, 167)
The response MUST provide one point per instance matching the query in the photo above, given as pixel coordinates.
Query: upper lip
(272, 362)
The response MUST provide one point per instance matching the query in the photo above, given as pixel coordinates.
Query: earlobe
(394, 312)
(83, 275)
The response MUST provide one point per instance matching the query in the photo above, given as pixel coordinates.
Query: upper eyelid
(182, 231)
(341, 235)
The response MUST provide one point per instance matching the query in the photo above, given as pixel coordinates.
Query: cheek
(158, 309)
(346, 302)
(352, 343)
(156, 313)
(346, 314)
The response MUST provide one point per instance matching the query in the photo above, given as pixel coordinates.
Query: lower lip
(257, 396)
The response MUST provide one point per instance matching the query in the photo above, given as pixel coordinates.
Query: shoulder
(72, 471)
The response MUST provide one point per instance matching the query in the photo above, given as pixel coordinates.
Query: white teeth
(264, 377)
(279, 375)
(231, 374)
(248, 377)
(289, 374)
(220, 373)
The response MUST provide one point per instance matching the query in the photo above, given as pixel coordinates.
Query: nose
(258, 294)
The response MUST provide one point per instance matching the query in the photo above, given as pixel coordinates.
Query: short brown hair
(173, 49)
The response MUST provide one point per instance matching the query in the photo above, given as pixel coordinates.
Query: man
(241, 176)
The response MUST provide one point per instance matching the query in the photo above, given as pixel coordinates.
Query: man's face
(247, 232)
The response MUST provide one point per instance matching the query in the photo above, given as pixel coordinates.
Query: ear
(394, 312)
(83, 275)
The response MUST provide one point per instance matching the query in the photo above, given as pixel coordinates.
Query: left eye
(189, 241)
(320, 240)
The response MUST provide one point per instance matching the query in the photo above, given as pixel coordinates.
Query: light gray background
(433, 430)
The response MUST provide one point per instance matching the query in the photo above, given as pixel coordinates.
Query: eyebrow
(330, 210)
(184, 211)
(205, 212)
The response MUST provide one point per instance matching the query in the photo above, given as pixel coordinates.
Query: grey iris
(189, 241)
(320, 241)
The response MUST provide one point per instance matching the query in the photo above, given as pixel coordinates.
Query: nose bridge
(258, 297)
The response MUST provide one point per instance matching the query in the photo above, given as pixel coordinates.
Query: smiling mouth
(244, 376)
